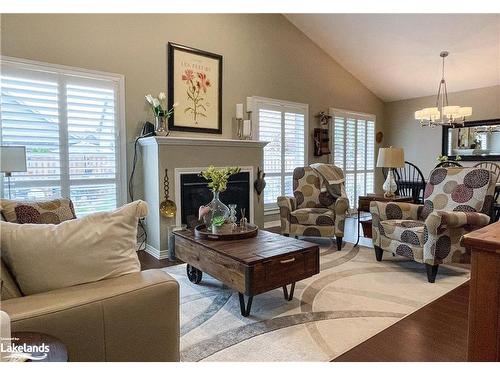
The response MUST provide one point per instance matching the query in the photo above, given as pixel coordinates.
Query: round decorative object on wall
(379, 137)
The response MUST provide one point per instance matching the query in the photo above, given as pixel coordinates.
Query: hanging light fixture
(443, 114)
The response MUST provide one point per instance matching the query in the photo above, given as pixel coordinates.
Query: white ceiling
(397, 55)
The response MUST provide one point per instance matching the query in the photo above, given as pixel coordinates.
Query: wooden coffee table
(250, 266)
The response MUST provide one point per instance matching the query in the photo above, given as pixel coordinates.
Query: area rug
(351, 299)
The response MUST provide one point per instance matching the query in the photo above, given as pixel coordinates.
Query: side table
(364, 206)
(57, 351)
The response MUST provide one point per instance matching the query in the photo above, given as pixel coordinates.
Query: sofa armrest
(396, 210)
(286, 206)
(134, 317)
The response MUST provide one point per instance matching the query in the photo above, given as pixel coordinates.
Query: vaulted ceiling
(397, 55)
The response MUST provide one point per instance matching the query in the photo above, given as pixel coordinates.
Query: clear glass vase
(219, 213)
(161, 128)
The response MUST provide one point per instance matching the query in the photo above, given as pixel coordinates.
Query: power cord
(144, 235)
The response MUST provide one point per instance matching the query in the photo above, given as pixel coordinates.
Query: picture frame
(195, 83)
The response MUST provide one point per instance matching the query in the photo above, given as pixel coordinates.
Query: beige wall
(423, 145)
(264, 55)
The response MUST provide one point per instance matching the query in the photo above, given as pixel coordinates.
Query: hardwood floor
(436, 332)
(150, 262)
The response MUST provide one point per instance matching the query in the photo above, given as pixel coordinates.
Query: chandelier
(443, 114)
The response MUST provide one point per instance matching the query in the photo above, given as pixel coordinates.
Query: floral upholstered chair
(456, 201)
(311, 212)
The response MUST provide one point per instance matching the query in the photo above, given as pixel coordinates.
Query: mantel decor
(195, 82)
(217, 212)
(443, 114)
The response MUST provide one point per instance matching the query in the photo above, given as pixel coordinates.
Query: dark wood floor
(150, 262)
(436, 332)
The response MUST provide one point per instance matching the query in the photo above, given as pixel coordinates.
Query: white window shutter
(68, 121)
(284, 126)
(353, 146)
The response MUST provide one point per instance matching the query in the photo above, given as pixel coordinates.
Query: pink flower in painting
(203, 83)
(188, 75)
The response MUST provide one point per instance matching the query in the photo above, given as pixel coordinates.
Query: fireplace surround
(190, 155)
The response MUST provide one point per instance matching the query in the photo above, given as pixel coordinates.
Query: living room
(303, 185)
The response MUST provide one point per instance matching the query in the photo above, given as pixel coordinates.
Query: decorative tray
(226, 232)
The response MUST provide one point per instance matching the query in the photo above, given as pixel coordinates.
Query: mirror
(476, 140)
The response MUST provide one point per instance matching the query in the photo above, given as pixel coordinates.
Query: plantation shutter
(283, 125)
(69, 124)
(353, 146)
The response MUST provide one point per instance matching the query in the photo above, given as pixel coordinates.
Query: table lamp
(12, 159)
(390, 157)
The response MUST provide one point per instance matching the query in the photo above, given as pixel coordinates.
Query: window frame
(337, 112)
(260, 102)
(34, 68)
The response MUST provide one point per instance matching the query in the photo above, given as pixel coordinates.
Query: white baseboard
(163, 254)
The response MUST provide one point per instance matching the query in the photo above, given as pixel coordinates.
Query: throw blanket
(332, 179)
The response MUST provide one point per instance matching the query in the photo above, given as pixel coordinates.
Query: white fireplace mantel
(177, 155)
(192, 141)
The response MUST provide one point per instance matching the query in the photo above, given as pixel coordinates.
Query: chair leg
(378, 253)
(431, 272)
(339, 243)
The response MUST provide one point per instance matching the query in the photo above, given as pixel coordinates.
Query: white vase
(389, 185)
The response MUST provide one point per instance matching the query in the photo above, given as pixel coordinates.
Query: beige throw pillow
(45, 257)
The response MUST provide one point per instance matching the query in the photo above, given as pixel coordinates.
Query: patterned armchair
(311, 212)
(456, 201)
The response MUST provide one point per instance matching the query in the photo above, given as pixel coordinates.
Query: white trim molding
(258, 103)
(76, 75)
(158, 254)
(190, 141)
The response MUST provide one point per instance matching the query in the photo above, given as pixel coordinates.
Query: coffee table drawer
(284, 270)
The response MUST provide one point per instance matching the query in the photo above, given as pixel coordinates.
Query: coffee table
(250, 266)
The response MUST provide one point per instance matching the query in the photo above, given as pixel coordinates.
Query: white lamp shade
(391, 157)
(465, 111)
(13, 159)
(451, 110)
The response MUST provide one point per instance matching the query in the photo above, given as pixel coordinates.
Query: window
(71, 123)
(284, 126)
(353, 146)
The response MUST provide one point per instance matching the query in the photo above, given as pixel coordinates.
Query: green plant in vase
(217, 182)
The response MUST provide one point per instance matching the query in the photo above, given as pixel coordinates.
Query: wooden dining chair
(410, 181)
(495, 169)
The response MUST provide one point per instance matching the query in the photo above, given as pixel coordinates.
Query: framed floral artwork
(195, 83)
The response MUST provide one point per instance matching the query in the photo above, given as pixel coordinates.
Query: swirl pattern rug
(353, 298)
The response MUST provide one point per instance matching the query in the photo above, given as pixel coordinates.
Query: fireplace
(194, 192)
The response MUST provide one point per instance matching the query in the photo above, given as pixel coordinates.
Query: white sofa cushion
(44, 257)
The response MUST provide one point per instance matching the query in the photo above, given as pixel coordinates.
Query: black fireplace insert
(195, 193)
